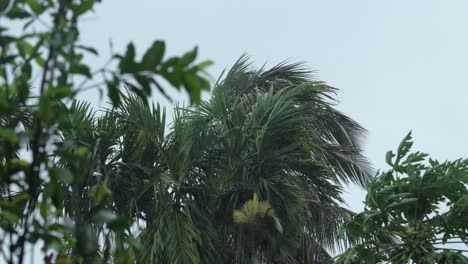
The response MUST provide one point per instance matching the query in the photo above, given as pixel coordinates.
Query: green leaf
(127, 63)
(54, 191)
(24, 48)
(188, 58)
(173, 78)
(120, 223)
(153, 56)
(81, 69)
(100, 193)
(194, 86)
(11, 217)
(404, 147)
(64, 175)
(203, 65)
(45, 109)
(9, 135)
(44, 209)
(18, 13)
(389, 157)
(83, 7)
(35, 6)
(40, 61)
(60, 92)
(113, 91)
(26, 70)
(19, 163)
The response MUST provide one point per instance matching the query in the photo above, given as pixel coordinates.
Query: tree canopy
(42, 69)
(253, 174)
(416, 212)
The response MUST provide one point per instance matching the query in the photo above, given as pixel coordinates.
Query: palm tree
(279, 137)
(254, 175)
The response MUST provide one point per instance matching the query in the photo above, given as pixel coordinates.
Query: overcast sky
(399, 65)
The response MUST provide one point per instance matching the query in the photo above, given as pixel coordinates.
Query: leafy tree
(47, 195)
(253, 174)
(414, 212)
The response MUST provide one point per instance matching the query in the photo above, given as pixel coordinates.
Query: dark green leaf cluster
(414, 212)
(140, 76)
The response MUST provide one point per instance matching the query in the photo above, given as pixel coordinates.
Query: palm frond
(173, 238)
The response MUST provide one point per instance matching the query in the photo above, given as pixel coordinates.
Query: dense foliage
(49, 194)
(415, 213)
(252, 175)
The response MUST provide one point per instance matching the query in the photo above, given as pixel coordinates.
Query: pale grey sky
(400, 65)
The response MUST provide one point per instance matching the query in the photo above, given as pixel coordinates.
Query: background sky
(400, 65)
